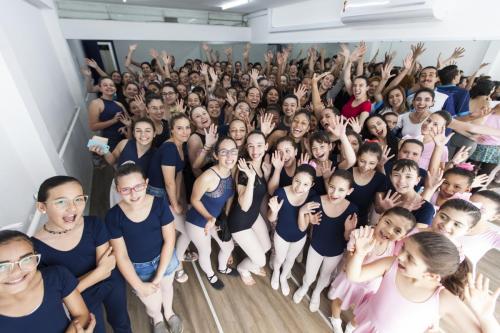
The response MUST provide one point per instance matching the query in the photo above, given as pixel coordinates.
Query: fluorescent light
(366, 4)
(234, 3)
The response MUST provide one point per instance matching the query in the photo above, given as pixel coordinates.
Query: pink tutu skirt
(351, 293)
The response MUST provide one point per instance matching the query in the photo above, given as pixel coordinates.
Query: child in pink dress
(393, 225)
(412, 297)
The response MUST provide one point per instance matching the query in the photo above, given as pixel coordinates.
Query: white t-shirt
(439, 100)
(407, 126)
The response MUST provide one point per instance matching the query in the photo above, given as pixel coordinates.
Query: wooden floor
(238, 308)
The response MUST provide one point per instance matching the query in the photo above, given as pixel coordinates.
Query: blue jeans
(156, 191)
(146, 271)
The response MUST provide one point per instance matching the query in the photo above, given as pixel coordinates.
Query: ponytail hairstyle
(464, 207)
(50, 183)
(306, 168)
(491, 195)
(442, 258)
(404, 213)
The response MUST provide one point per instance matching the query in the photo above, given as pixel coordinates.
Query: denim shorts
(156, 191)
(146, 271)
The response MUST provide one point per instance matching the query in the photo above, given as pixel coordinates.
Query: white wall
(41, 93)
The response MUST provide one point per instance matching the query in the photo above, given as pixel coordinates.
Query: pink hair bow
(313, 164)
(466, 166)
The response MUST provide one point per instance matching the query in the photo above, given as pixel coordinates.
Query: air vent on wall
(170, 19)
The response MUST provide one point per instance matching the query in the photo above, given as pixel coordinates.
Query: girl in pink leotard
(392, 226)
(412, 297)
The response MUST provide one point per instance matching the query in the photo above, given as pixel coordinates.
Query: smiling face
(395, 98)
(327, 82)
(338, 189)
(193, 100)
(428, 78)
(169, 95)
(213, 109)
(238, 132)
(287, 151)
(433, 123)
(321, 150)
(392, 227)
(253, 98)
(367, 162)
(454, 184)
(404, 180)
(410, 151)
(256, 146)
(200, 118)
(423, 102)
(107, 87)
(410, 261)
(156, 110)
(377, 127)
(302, 183)
(372, 87)
(227, 154)
(272, 96)
(290, 106)
(144, 133)
(18, 280)
(131, 90)
(63, 211)
(181, 130)
(182, 90)
(128, 183)
(451, 222)
(300, 126)
(359, 88)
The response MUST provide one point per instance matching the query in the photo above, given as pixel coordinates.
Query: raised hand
(231, 99)
(86, 71)
(386, 71)
(154, 53)
(277, 160)
(458, 52)
(434, 179)
(254, 74)
(139, 100)
(350, 223)
(205, 47)
(132, 48)
(385, 156)
(228, 51)
(266, 124)
(91, 63)
(167, 59)
(248, 124)
(317, 77)
(315, 218)
(408, 62)
(417, 50)
(461, 155)
(355, 125)
(125, 119)
(304, 159)
(344, 51)
(439, 136)
(309, 208)
(364, 242)
(213, 74)
(203, 69)
(327, 169)
(246, 168)
(480, 181)
(478, 298)
(414, 203)
(390, 200)
(275, 205)
(211, 136)
(300, 91)
(97, 150)
(266, 166)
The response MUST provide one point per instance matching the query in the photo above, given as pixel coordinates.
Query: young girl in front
(283, 211)
(35, 300)
(333, 221)
(246, 224)
(367, 181)
(284, 162)
(212, 192)
(143, 241)
(456, 183)
(435, 123)
(412, 296)
(392, 226)
(484, 236)
(81, 244)
(166, 179)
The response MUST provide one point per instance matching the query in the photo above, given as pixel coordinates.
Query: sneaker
(229, 271)
(181, 276)
(160, 327)
(215, 282)
(298, 295)
(349, 328)
(336, 324)
(190, 256)
(175, 324)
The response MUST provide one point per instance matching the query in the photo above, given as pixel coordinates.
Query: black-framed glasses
(25, 264)
(64, 203)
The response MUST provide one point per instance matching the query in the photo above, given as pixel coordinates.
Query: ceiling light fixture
(234, 3)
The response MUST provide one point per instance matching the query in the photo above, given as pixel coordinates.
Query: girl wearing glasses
(81, 244)
(246, 224)
(211, 191)
(143, 239)
(33, 300)
(166, 179)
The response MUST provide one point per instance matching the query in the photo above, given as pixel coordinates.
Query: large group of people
(375, 175)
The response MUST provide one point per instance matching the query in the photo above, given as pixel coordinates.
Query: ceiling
(207, 5)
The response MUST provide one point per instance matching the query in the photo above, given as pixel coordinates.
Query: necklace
(55, 232)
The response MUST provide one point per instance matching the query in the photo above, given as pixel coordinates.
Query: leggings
(285, 254)
(163, 296)
(183, 240)
(204, 245)
(313, 264)
(255, 242)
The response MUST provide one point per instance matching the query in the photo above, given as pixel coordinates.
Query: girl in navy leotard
(33, 300)
(201, 140)
(213, 190)
(334, 219)
(156, 112)
(166, 179)
(284, 162)
(143, 240)
(80, 243)
(367, 181)
(106, 115)
(288, 238)
(138, 150)
(246, 224)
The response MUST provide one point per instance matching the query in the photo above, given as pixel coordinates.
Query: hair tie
(466, 166)
(313, 164)
(372, 141)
